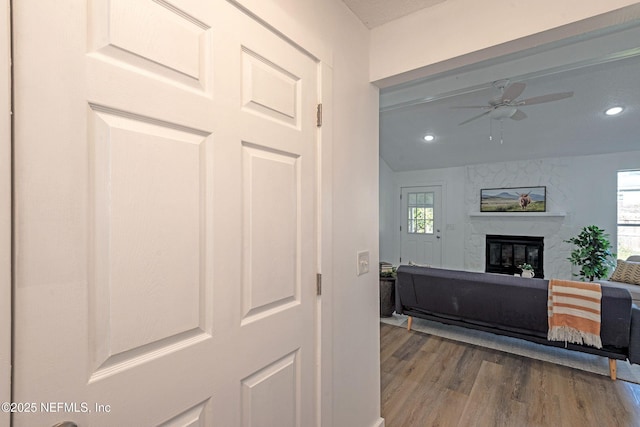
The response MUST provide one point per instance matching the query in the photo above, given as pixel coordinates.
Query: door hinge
(319, 284)
(400, 196)
(319, 115)
(400, 259)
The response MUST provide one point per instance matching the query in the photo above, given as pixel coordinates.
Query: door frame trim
(324, 319)
(5, 208)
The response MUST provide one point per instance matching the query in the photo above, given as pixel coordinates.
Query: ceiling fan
(507, 105)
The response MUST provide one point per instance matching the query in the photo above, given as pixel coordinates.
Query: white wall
(583, 187)
(356, 346)
(353, 304)
(472, 30)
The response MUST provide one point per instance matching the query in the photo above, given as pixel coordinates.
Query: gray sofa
(512, 306)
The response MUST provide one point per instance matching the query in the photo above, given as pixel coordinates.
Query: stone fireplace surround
(552, 230)
(554, 225)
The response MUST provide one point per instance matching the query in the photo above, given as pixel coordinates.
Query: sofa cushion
(626, 272)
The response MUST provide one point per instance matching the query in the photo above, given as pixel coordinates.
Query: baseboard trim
(379, 423)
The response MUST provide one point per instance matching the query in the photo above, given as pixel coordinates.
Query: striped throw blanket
(574, 312)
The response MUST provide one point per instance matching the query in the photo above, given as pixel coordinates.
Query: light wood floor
(431, 381)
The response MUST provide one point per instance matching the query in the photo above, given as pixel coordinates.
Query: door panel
(147, 295)
(165, 216)
(273, 386)
(192, 417)
(157, 37)
(269, 90)
(271, 194)
(420, 234)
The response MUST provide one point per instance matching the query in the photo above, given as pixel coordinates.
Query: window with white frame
(628, 213)
(420, 213)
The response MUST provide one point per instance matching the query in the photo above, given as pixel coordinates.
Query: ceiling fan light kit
(504, 112)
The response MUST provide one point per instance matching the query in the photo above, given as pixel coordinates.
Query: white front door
(165, 216)
(420, 226)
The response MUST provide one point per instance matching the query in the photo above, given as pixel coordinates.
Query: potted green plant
(593, 253)
(527, 270)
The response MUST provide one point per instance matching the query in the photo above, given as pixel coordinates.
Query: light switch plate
(363, 263)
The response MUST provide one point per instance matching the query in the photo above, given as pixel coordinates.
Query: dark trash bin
(387, 296)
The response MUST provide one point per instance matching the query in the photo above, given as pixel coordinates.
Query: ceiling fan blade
(519, 115)
(512, 92)
(474, 118)
(546, 98)
(472, 106)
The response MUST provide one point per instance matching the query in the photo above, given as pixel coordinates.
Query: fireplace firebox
(505, 253)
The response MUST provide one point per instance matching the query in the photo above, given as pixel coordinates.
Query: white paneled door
(165, 216)
(420, 225)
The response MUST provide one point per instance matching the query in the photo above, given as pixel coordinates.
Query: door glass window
(420, 213)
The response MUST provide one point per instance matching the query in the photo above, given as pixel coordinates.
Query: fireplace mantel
(518, 214)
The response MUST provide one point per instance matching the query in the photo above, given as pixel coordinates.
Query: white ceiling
(377, 12)
(601, 69)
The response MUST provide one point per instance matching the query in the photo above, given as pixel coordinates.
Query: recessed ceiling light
(614, 111)
(429, 138)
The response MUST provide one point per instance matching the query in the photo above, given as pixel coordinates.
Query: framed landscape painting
(514, 199)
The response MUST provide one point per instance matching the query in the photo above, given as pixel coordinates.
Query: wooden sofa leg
(612, 369)
(409, 322)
